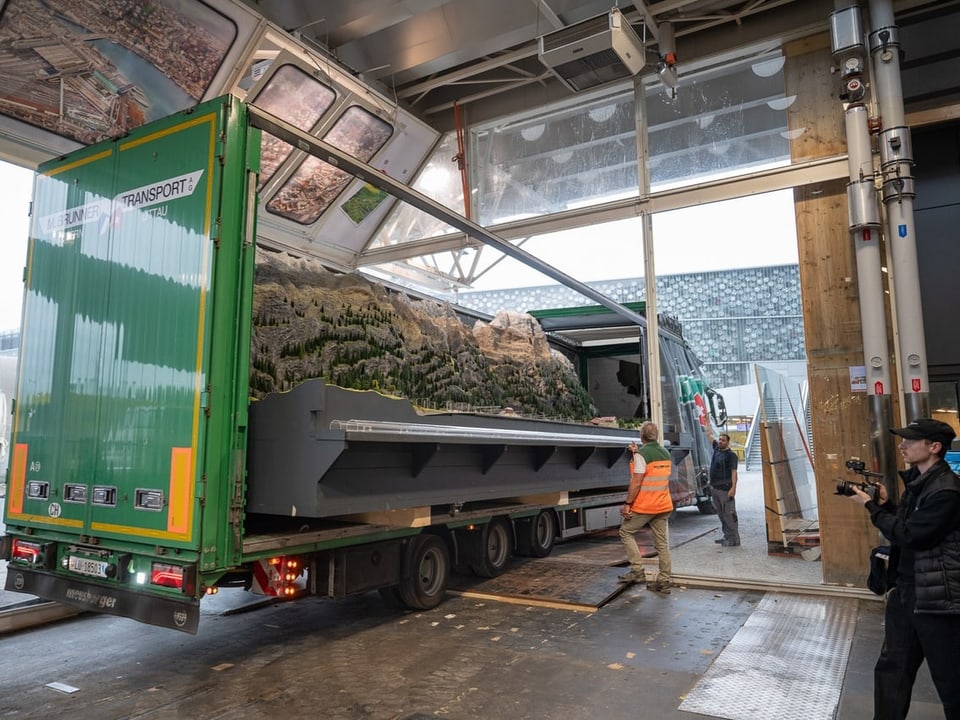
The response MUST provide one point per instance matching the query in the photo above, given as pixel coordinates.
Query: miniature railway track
(32, 613)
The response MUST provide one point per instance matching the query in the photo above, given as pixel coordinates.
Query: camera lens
(844, 487)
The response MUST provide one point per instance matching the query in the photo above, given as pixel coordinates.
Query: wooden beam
(831, 312)
(402, 517)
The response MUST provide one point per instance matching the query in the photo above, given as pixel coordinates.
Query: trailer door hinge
(205, 401)
(218, 223)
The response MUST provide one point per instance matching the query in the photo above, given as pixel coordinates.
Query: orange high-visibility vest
(654, 496)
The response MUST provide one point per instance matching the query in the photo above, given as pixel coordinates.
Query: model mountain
(310, 322)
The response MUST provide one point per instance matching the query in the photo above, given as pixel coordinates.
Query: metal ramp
(546, 582)
(787, 662)
(578, 575)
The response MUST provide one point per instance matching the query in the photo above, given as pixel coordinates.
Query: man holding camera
(923, 609)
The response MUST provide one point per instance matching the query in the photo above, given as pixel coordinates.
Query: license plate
(86, 566)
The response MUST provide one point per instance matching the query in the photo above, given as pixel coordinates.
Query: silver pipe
(404, 431)
(864, 225)
(896, 168)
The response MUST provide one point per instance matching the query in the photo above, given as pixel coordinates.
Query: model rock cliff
(310, 322)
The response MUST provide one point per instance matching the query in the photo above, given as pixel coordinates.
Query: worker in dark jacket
(923, 609)
(723, 488)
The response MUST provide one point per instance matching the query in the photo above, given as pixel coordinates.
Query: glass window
(316, 184)
(556, 160)
(297, 98)
(724, 122)
(440, 181)
(943, 403)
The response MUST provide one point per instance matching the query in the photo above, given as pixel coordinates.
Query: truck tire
(537, 535)
(426, 572)
(496, 546)
(706, 507)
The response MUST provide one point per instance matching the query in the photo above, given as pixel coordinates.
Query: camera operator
(922, 618)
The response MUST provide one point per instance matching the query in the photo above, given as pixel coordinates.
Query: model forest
(310, 322)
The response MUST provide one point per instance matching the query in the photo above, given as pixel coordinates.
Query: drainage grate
(787, 662)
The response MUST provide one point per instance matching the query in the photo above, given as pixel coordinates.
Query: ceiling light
(781, 103)
(601, 114)
(793, 134)
(768, 68)
(532, 132)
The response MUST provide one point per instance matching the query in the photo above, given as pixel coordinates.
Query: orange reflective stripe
(179, 515)
(18, 474)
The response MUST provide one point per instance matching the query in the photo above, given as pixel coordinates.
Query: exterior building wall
(731, 318)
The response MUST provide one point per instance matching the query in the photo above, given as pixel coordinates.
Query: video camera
(846, 487)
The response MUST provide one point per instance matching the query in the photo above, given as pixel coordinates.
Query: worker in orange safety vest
(648, 503)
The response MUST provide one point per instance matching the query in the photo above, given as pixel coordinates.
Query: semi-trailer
(143, 476)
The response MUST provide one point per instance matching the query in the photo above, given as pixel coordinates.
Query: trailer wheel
(537, 535)
(496, 545)
(426, 572)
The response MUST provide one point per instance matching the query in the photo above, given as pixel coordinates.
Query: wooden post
(831, 312)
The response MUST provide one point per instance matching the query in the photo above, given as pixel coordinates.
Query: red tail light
(26, 551)
(167, 575)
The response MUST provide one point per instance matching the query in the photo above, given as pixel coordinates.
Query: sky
(754, 231)
(17, 185)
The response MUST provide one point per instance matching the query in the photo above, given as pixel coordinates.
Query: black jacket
(924, 534)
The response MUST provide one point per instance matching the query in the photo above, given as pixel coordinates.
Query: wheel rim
(543, 531)
(429, 574)
(498, 545)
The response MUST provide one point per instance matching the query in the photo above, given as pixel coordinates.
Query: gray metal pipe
(864, 225)
(896, 166)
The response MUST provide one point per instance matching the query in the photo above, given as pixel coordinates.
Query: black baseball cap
(927, 429)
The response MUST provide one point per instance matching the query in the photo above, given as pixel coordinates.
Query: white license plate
(85, 566)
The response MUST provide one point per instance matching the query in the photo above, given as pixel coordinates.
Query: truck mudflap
(175, 614)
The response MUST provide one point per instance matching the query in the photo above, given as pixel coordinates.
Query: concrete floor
(697, 554)
(637, 656)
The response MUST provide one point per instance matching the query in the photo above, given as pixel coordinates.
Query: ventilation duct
(593, 52)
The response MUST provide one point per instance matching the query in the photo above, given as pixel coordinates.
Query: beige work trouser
(661, 542)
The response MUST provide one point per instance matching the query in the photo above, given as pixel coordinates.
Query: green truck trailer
(142, 477)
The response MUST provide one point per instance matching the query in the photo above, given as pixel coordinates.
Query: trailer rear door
(127, 323)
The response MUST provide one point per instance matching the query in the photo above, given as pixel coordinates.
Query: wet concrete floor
(638, 656)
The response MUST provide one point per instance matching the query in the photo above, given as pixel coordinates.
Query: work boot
(718, 541)
(727, 543)
(660, 586)
(631, 577)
